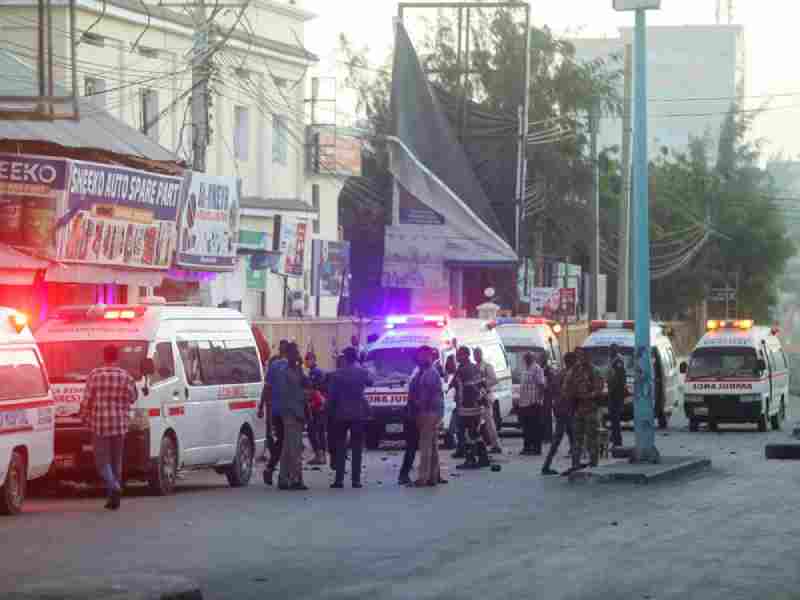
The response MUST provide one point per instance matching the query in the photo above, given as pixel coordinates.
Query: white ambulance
(521, 335)
(737, 373)
(26, 412)
(391, 361)
(604, 334)
(199, 377)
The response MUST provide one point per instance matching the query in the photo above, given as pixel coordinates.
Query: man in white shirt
(530, 406)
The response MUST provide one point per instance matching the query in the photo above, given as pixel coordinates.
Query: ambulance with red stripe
(737, 373)
(26, 412)
(199, 377)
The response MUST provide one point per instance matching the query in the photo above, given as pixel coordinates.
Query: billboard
(413, 258)
(119, 216)
(340, 153)
(209, 223)
(32, 191)
(330, 266)
(293, 237)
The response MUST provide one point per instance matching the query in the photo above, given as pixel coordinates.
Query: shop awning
(96, 275)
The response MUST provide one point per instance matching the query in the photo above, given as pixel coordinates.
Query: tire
(241, 470)
(373, 438)
(776, 419)
(693, 425)
(663, 420)
(782, 451)
(713, 426)
(164, 472)
(498, 419)
(12, 493)
(762, 422)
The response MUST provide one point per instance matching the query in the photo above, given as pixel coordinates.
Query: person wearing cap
(349, 411)
(586, 384)
(616, 393)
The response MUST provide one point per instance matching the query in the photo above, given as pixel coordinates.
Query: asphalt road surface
(728, 533)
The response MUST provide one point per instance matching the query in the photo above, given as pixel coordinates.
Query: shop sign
(119, 216)
(209, 223)
(293, 238)
(31, 192)
(413, 258)
(330, 266)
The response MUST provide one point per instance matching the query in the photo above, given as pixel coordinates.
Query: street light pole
(644, 397)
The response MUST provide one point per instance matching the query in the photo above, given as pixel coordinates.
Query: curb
(111, 587)
(669, 468)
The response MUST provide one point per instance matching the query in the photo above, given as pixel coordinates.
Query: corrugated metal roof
(96, 128)
(287, 204)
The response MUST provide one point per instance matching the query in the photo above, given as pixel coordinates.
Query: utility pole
(594, 123)
(623, 255)
(199, 100)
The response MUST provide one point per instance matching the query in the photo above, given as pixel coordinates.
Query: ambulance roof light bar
(598, 325)
(393, 321)
(743, 324)
(18, 320)
(528, 321)
(100, 311)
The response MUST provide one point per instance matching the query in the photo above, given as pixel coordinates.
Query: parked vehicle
(665, 366)
(391, 362)
(199, 378)
(737, 373)
(26, 412)
(521, 335)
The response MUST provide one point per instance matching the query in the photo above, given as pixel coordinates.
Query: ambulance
(666, 375)
(199, 379)
(391, 362)
(26, 412)
(521, 335)
(737, 373)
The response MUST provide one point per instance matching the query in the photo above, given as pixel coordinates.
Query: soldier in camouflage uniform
(586, 385)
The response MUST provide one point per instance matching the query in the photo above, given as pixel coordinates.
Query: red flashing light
(598, 325)
(19, 321)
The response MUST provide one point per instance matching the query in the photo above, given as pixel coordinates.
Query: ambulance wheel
(498, 419)
(12, 494)
(693, 425)
(240, 471)
(164, 471)
(775, 421)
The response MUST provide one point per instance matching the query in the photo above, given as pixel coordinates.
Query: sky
(771, 38)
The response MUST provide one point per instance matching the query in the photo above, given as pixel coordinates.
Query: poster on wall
(31, 196)
(209, 223)
(544, 301)
(525, 276)
(119, 216)
(330, 266)
(413, 258)
(292, 246)
(414, 212)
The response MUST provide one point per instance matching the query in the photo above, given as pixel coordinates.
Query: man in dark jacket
(616, 394)
(558, 385)
(469, 387)
(349, 410)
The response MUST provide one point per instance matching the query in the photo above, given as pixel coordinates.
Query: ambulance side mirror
(684, 368)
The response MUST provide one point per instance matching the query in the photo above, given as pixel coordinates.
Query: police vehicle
(737, 373)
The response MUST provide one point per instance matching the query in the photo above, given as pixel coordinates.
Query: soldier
(586, 385)
(469, 391)
(616, 394)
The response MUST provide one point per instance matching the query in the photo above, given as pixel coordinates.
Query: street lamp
(643, 413)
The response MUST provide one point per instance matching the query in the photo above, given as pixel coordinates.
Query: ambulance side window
(190, 357)
(164, 361)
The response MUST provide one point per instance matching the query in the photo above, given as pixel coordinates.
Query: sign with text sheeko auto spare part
(209, 223)
(118, 216)
(31, 195)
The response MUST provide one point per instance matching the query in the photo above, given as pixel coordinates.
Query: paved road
(730, 533)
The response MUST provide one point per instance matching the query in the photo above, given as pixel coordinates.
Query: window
(190, 357)
(71, 362)
(150, 113)
(164, 361)
(21, 375)
(218, 363)
(723, 362)
(280, 140)
(241, 133)
(315, 205)
(495, 356)
(95, 88)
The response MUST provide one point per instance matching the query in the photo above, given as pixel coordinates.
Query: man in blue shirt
(271, 404)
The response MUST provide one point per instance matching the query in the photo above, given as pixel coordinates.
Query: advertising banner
(31, 195)
(414, 212)
(209, 223)
(119, 216)
(525, 277)
(413, 258)
(568, 305)
(329, 267)
(544, 301)
(293, 238)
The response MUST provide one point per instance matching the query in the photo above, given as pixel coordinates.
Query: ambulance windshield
(71, 362)
(723, 362)
(391, 364)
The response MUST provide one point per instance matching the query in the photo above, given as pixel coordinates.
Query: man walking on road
(586, 386)
(349, 411)
(616, 394)
(271, 405)
(564, 410)
(490, 381)
(110, 392)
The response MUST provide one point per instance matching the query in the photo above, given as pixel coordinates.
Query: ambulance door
(167, 395)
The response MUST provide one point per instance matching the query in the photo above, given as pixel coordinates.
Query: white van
(26, 412)
(603, 334)
(391, 361)
(199, 378)
(521, 335)
(737, 373)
